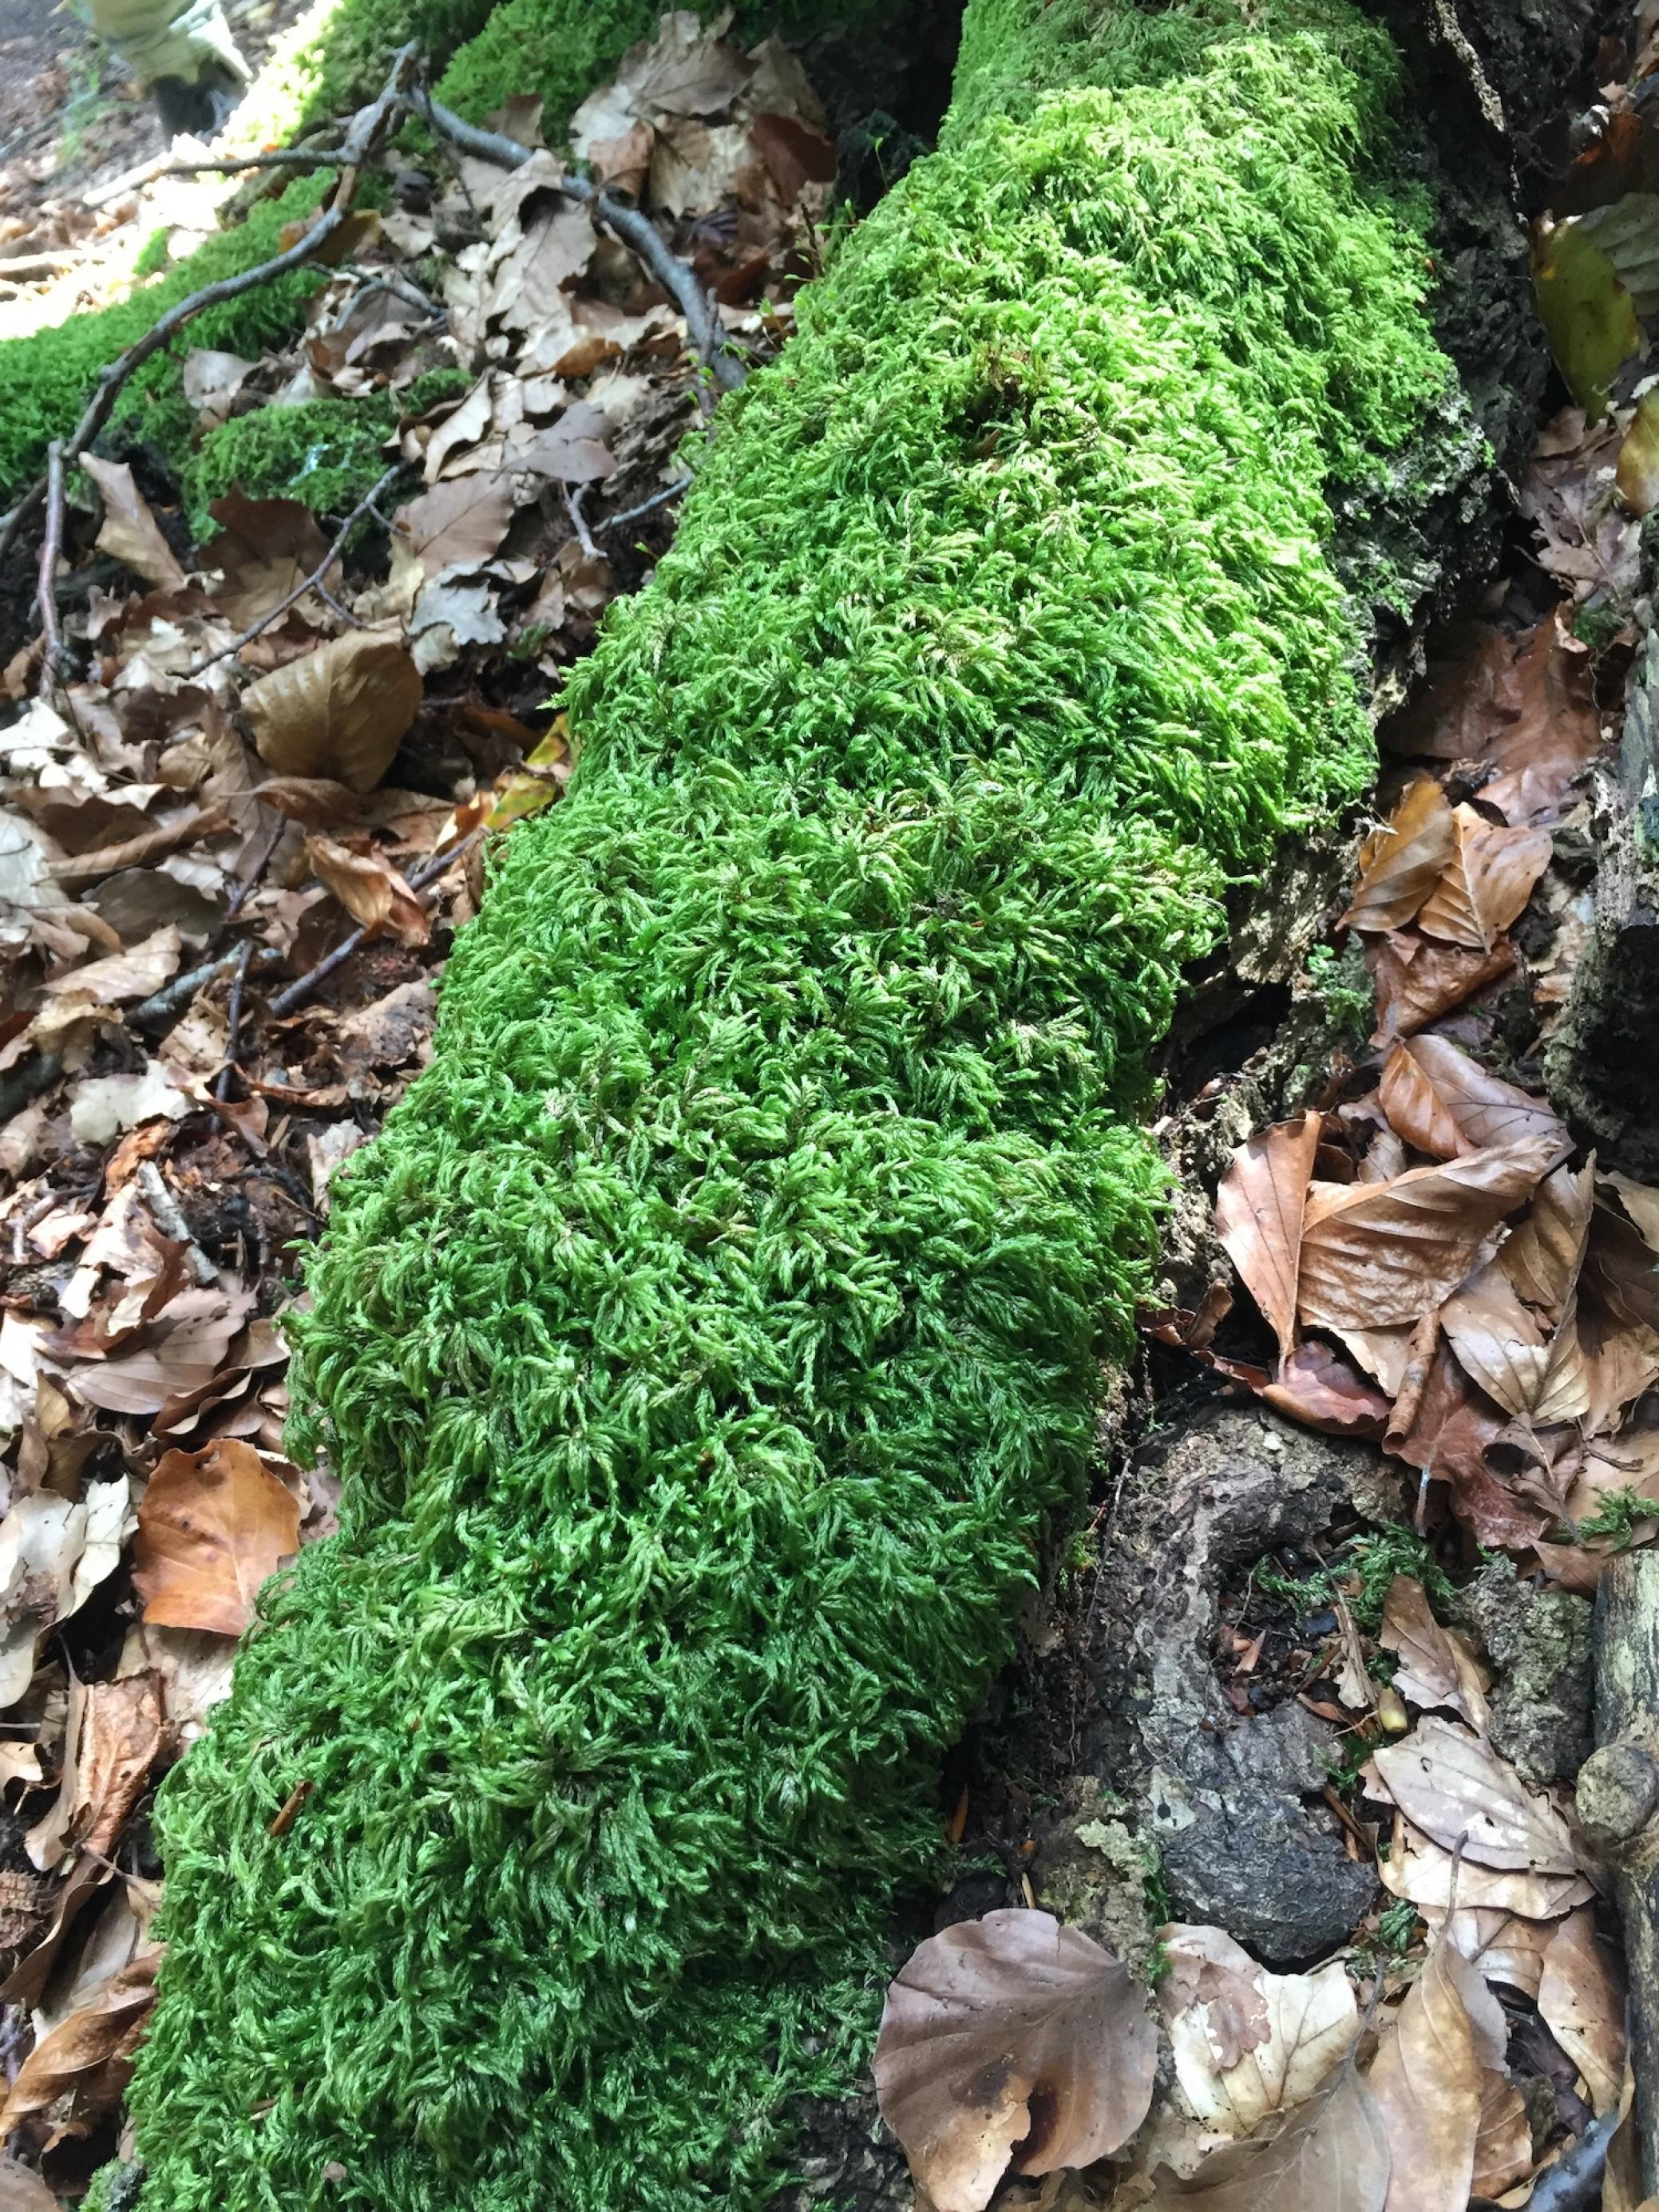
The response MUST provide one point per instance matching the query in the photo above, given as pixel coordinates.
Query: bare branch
(45, 596)
(646, 505)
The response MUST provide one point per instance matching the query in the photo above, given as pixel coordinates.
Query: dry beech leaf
(1420, 1870)
(1454, 1787)
(1331, 2154)
(1247, 2042)
(1258, 1212)
(1581, 1996)
(339, 711)
(1401, 861)
(130, 532)
(1506, 1946)
(1317, 1387)
(134, 973)
(1525, 706)
(371, 891)
(1436, 1667)
(21, 2189)
(264, 547)
(89, 2056)
(459, 523)
(1622, 1362)
(1010, 2030)
(1417, 979)
(1427, 2079)
(1502, 1348)
(1641, 1201)
(1488, 880)
(1441, 1101)
(1620, 1269)
(112, 1735)
(1376, 1255)
(1543, 1253)
(1503, 2142)
(212, 1526)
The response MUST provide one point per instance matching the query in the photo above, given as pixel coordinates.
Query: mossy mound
(712, 1334)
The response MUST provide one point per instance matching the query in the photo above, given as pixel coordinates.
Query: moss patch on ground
(712, 1334)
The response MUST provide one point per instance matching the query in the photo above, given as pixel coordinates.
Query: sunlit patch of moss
(713, 1335)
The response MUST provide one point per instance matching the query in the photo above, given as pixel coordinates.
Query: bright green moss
(46, 378)
(713, 1333)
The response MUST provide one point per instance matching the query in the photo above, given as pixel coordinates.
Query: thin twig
(45, 596)
(646, 505)
(1574, 2182)
(314, 582)
(233, 1019)
(286, 157)
(573, 499)
(677, 277)
(173, 997)
(170, 1219)
(417, 880)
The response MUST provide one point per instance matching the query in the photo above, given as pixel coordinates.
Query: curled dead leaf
(1417, 979)
(1487, 881)
(340, 711)
(370, 888)
(213, 1525)
(129, 531)
(1403, 860)
(1442, 1102)
(1581, 1996)
(1437, 1667)
(1009, 2031)
(1258, 1213)
(1427, 2081)
(1376, 1255)
(89, 2056)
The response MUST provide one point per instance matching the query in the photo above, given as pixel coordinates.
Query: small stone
(1618, 1793)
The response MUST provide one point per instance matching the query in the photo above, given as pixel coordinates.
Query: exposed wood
(1618, 1806)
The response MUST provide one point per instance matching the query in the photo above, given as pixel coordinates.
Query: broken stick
(1618, 1806)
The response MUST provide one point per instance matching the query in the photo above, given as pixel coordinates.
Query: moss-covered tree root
(711, 1334)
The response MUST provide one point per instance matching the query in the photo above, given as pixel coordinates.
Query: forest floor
(1295, 1724)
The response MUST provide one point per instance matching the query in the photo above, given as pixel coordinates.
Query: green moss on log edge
(713, 1331)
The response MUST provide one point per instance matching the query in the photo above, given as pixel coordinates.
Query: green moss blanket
(711, 1334)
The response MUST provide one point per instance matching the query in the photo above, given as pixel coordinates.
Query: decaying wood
(1618, 1806)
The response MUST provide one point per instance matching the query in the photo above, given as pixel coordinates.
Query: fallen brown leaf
(114, 1733)
(371, 891)
(1437, 1667)
(1487, 881)
(1506, 1946)
(264, 547)
(1503, 2143)
(1543, 1253)
(213, 1525)
(1258, 1209)
(340, 711)
(1249, 2043)
(1581, 1996)
(1009, 2031)
(1421, 1871)
(89, 2056)
(129, 531)
(131, 974)
(1317, 1387)
(1427, 2081)
(460, 522)
(1417, 981)
(1641, 1201)
(1379, 1254)
(1532, 1375)
(1331, 2152)
(1620, 1269)
(1442, 1102)
(1523, 706)
(1454, 1788)
(1403, 861)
